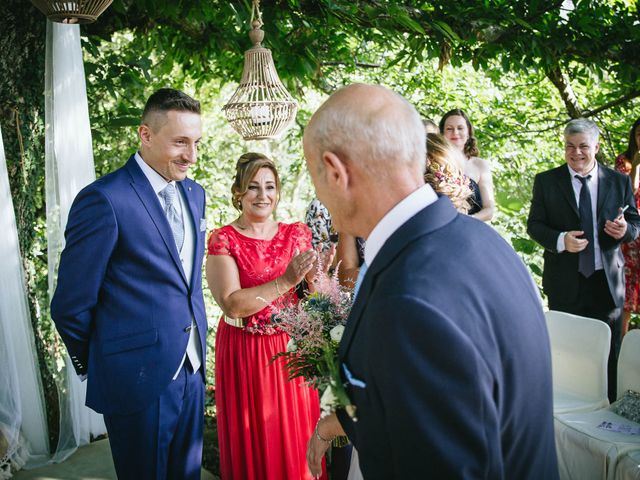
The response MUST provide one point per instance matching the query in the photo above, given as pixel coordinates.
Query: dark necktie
(586, 258)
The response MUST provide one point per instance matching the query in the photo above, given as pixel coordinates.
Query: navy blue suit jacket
(123, 305)
(448, 335)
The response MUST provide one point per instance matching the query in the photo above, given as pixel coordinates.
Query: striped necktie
(168, 195)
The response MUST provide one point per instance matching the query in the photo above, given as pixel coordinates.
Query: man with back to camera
(445, 354)
(129, 303)
(580, 213)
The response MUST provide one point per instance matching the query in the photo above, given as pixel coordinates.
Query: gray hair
(386, 131)
(582, 125)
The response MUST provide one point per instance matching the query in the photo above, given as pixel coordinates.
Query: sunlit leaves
(208, 38)
(498, 52)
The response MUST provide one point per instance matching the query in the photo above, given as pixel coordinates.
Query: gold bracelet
(319, 437)
(278, 289)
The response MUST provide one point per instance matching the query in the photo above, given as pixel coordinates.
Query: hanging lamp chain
(256, 13)
(256, 34)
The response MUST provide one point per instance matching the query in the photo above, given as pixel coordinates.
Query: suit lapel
(425, 221)
(151, 203)
(187, 192)
(566, 187)
(604, 188)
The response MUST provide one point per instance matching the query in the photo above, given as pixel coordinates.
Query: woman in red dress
(264, 420)
(628, 163)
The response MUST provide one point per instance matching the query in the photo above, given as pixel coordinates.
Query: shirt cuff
(560, 243)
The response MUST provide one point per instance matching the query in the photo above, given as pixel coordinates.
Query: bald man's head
(369, 125)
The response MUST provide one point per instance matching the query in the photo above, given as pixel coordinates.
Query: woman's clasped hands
(309, 265)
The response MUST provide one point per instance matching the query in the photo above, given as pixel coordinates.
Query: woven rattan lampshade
(261, 107)
(72, 11)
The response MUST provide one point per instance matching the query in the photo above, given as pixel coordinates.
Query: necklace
(254, 233)
(239, 225)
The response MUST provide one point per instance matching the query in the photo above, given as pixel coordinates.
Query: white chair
(579, 354)
(586, 452)
(629, 466)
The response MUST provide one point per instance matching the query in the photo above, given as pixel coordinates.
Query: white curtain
(23, 427)
(69, 167)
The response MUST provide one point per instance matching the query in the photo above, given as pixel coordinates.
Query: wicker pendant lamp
(72, 11)
(261, 107)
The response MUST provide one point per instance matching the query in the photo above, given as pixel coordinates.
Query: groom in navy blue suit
(445, 353)
(129, 303)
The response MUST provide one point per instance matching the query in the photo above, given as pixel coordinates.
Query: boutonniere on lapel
(316, 325)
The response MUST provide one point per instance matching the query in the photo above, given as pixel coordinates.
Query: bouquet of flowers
(316, 325)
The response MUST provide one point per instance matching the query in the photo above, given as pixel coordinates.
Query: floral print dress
(631, 252)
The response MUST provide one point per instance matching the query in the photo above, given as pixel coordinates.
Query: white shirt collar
(593, 172)
(395, 218)
(155, 179)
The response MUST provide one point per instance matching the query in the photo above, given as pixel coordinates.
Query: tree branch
(613, 103)
(357, 64)
(562, 83)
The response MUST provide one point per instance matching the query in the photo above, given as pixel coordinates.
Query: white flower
(328, 401)
(336, 333)
(292, 346)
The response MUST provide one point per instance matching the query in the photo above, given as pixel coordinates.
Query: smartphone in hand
(621, 211)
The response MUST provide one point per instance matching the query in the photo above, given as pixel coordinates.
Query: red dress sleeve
(218, 243)
(621, 165)
(301, 236)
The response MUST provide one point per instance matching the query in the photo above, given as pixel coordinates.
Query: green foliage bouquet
(316, 325)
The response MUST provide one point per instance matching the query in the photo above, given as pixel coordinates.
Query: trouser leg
(152, 443)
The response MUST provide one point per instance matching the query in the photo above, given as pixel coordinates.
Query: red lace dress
(631, 252)
(264, 420)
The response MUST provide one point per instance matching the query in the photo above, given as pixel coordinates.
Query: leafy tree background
(520, 69)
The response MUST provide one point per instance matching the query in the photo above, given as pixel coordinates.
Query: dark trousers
(595, 301)
(340, 462)
(163, 441)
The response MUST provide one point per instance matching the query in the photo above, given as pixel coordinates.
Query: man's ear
(145, 133)
(335, 170)
(597, 148)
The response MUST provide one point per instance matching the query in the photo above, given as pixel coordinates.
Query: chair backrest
(629, 363)
(579, 353)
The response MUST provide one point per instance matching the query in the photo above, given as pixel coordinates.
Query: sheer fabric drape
(69, 167)
(23, 428)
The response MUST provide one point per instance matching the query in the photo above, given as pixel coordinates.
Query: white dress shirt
(395, 218)
(593, 190)
(186, 254)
